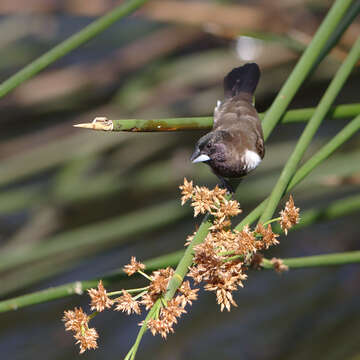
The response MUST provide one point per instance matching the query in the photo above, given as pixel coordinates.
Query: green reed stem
(72, 43)
(186, 260)
(349, 17)
(324, 105)
(79, 287)
(304, 65)
(204, 123)
(143, 328)
(334, 210)
(336, 259)
(345, 134)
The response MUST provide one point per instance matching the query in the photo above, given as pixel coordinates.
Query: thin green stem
(332, 211)
(145, 275)
(349, 17)
(336, 259)
(271, 221)
(310, 130)
(79, 287)
(70, 44)
(119, 292)
(232, 258)
(139, 295)
(91, 316)
(143, 328)
(304, 65)
(186, 260)
(345, 134)
(350, 129)
(204, 123)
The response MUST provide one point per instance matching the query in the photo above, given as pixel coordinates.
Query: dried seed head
(279, 265)
(127, 304)
(134, 266)
(289, 216)
(99, 299)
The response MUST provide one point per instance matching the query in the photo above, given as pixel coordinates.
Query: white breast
(251, 159)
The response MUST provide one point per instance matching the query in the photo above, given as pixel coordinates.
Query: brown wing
(260, 147)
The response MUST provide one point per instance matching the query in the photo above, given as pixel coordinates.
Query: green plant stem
(78, 287)
(310, 130)
(143, 328)
(336, 259)
(345, 134)
(334, 210)
(186, 260)
(203, 123)
(349, 17)
(304, 65)
(73, 42)
(119, 292)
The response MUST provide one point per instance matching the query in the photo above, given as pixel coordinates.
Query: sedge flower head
(127, 304)
(134, 266)
(279, 265)
(289, 216)
(78, 322)
(187, 191)
(99, 299)
(269, 238)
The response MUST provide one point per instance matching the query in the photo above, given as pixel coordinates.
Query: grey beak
(198, 157)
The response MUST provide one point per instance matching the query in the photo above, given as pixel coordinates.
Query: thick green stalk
(150, 315)
(349, 17)
(90, 31)
(345, 134)
(304, 65)
(203, 123)
(79, 287)
(334, 210)
(186, 260)
(331, 92)
(336, 259)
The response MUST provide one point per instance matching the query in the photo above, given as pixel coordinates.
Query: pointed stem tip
(99, 123)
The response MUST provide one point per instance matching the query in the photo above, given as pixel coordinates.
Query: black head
(211, 147)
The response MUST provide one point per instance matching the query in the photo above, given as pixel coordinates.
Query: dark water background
(302, 314)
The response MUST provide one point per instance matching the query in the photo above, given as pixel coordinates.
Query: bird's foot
(225, 184)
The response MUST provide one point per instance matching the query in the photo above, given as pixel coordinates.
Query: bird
(235, 145)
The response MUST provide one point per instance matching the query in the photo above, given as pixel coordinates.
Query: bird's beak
(198, 157)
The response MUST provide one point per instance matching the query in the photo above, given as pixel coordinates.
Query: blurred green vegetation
(68, 196)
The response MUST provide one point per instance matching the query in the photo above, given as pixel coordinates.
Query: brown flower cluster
(99, 299)
(213, 201)
(134, 266)
(169, 314)
(167, 318)
(78, 322)
(279, 265)
(223, 258)
(289, 216)
(221, 262)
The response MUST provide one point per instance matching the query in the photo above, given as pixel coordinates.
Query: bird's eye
(208, 145)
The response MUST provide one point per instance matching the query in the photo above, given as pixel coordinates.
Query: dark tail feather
(242, 79)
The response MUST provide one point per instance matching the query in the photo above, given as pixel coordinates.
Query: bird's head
(211, 147)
